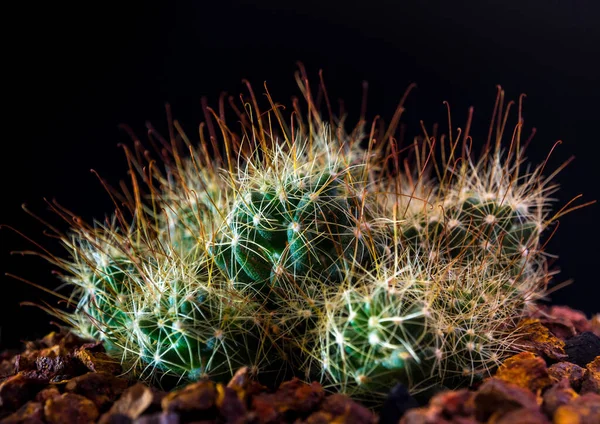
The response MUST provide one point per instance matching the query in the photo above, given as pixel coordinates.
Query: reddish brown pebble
(132, 403)
(198, 396)
(16, 390)
(497, 396)
(115, 419)
(595, 324)
(53, 366)
(102, 389)
(321, 418)
(591, 381)
(7, 367)
(540, 340)
(30, 413)
(573, 373)
(522, 416)
(455, 403)
(457, 406)
(47, 393)
(70, 408)
(25, 361)
(292, 396)
(526, 370)
(70, 341)
(231, 408)
(98, 361)
(159, 418)
(574, 317)
(244, 385)
(345, 410)
(558, 395)
(582, 410)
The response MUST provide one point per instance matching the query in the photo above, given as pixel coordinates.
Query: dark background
(76, 73)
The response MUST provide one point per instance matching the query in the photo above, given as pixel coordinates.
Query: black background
(73, 74)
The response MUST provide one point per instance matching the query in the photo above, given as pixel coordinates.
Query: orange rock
(595, 324)
(70, 408)
(497, 397)
(521, 416)
(193, 397)
(526, 370)
(582, 410)
(591, 381)
(446, 407)
(132, 403)
(539, 339)
(292, 396)
(102, 389)
(31, 413)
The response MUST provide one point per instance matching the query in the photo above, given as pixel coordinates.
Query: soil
(64, 379)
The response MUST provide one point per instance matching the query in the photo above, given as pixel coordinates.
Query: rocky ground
(64, 379)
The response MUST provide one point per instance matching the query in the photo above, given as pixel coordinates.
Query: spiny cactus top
(304, 246)
(308, 223)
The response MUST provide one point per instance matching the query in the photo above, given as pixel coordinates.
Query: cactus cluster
(305, 247)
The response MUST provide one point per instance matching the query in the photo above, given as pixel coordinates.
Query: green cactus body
(306, 228)
(373, 341)
(474, 227)
(190, 214)
(194, 338)
(111, 291)
(160, 317)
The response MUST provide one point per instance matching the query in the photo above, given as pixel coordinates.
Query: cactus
(296, 245)
(165, 316)
(297, 216)
(370, 339)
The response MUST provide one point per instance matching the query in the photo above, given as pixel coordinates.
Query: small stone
(583, 348)
(102, 389)
(456, 403)
(53, 366)
(30, 413)
(523, 416)
(320, 417)
(244, 385)
(7, 367)
(98, 361)
(591, 381)
(195, 397)
(159, 418)
(595, 324)
(70, 408)
(574, 317)
(574, 373)
(292, 396)
(525, 370)
(132, 403)
(115, 419)
(582, 410)
(395, 406)
(16, 390)
(231, 408)
(558, 395)
(345, 410)
(70, 341)
(444, 407)
(539, 339)
(47, 393)
(496, 397)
